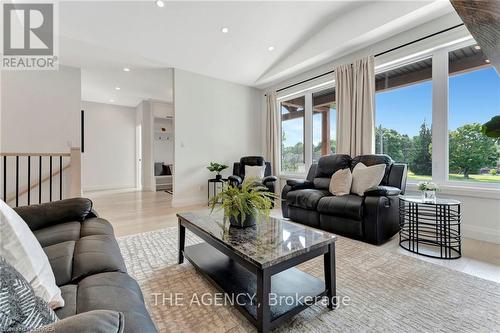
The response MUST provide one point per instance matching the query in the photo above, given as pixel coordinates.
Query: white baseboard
(481, 233)
(107, 187)
(190, 201)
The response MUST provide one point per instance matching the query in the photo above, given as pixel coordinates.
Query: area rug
(383, 291)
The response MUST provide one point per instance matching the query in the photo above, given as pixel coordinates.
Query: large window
(403, 118)
(292, 135)
(324, 123)
(474, 98)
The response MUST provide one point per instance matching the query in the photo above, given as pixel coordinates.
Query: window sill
(292, 176)
(461, 189)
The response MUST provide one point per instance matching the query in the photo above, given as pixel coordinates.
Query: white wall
(109, 158)
(39, 113)
(40, 110)
(163, 142)
(214, 121)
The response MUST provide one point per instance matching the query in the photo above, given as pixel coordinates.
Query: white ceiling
(103, 37)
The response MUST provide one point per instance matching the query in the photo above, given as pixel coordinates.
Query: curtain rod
(376, 55)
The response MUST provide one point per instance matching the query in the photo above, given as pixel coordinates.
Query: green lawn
(472, 178)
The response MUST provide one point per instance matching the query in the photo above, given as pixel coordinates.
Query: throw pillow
(341, 181)
(21, 249)
(364, 178)
(20, 309)
(256, 171)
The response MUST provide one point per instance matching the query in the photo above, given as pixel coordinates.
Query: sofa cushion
(52, 213)
(61, 260)
(96, 226)
(96, 254)
(306, 199)
(69, 294)
(118, 292)
(69, 231)
(348, 206)
(373, 159)
(97, 321)
(327, 165)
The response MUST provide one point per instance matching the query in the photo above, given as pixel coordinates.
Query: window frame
(308, 123)
(440, 113)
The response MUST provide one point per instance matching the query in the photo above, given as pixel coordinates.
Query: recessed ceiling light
(126, 69)
(487, 61)
(112, 100)
(224, 30)
(477, 47)
(117, 88)
(160, 3)
(270, 48)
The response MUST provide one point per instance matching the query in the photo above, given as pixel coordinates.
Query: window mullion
(308, 130)
(440, 116)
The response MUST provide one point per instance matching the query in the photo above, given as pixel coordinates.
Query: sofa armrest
(383, 191)
(96, 321)
(269, 179)
(380, 218)
(51, 213)
(299, 184)
(235, 180)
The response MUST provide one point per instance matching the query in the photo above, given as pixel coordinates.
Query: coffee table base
(292, 290)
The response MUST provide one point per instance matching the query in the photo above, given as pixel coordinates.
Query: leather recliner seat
(88, 266)
(373, 217)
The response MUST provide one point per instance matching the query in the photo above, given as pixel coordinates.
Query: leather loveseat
(373, 217)
(84, 255)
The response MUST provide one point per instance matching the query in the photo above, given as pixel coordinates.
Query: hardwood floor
(132, 212)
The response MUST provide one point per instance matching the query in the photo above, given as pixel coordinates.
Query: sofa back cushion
(327, 166)
(369, 160)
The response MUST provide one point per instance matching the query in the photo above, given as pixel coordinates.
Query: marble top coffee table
(255, 266)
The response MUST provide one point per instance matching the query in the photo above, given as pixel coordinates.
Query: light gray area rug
(388, 292)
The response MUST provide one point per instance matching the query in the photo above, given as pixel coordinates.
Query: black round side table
(431, 229)
(214, 182)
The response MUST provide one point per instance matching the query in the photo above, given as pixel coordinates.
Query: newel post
(75, 173)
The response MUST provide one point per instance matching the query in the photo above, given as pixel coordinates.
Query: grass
(457, 177)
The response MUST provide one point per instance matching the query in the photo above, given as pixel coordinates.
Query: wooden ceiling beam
(482, 19)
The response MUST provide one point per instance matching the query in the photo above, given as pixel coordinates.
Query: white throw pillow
(256, 171)
(22, 250)
(364, 178)
(340, 183)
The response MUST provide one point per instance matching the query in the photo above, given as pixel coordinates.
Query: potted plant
(216, 167)
(244, 205)
(429, 190)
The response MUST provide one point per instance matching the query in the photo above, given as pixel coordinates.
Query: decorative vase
(429, 196)
(249, 221)
(218, 176)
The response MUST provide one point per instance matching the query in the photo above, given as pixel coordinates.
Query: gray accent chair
(84, 255)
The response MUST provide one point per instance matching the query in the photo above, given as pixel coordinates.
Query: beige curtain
(272, 132)
(355, 90)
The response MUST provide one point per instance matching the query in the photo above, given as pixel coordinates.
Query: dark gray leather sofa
(99, 295)
(373, 217)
